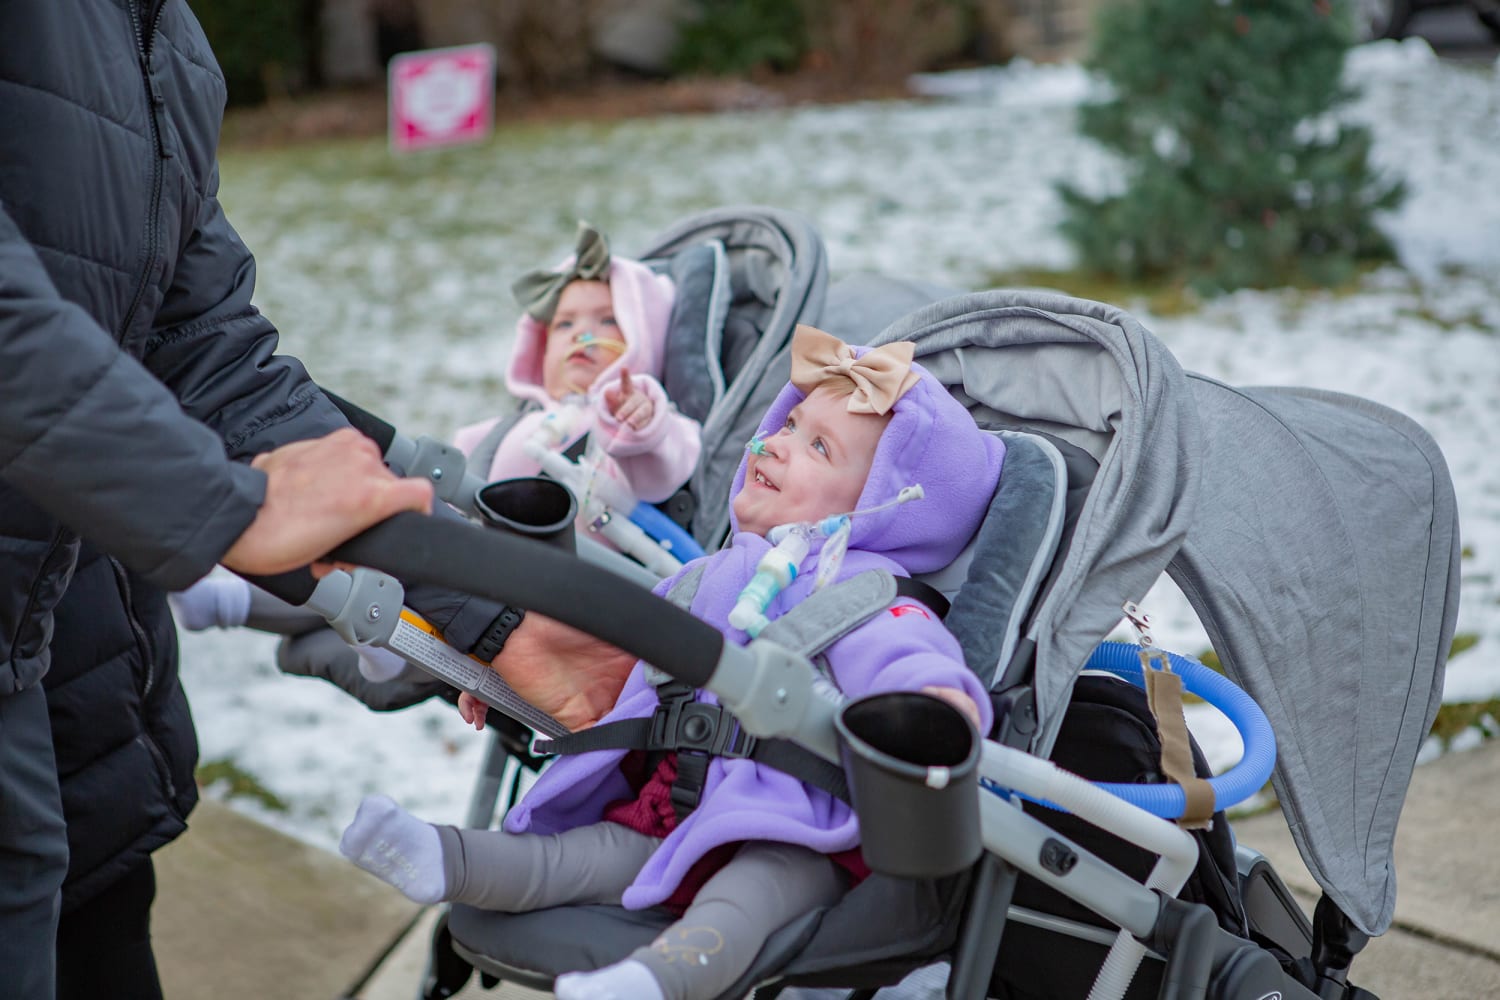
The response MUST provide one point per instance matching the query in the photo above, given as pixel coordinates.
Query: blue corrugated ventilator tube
(1247, 777)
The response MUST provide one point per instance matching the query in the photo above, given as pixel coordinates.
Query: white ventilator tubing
(773, 573)
(1178, 852)
(603, 505)
(779, 567)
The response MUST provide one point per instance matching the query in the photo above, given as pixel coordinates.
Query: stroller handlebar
(364, 421)
(294, 586)
(518, 571)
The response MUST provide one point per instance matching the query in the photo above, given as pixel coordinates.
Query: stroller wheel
(447, 973)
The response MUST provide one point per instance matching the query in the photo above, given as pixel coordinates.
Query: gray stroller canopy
(1314, 534)
(1323, 562)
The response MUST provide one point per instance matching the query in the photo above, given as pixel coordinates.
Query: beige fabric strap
(1164, 696)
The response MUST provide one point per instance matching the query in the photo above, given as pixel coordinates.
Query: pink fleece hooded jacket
(654, 461)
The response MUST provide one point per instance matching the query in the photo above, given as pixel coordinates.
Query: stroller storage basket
(912, 762)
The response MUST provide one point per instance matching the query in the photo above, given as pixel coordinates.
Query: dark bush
(265, 47)
(731, 37)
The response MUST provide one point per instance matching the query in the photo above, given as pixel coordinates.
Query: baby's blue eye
(790, 424)
(609, 321)
(820, 446)
(562, 324)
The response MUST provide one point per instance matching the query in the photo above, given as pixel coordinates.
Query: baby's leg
(517, 872)
(490, 868)
(271, 614)
(763, 889)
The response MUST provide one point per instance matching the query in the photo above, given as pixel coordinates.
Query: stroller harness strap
(699, 731)
(483, 454)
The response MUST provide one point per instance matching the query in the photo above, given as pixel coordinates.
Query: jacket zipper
(142, 641)
(144, 35)
(57, 541)
(148, 660)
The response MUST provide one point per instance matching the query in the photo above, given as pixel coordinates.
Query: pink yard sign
(441, 97)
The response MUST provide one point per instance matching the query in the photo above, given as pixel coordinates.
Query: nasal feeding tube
(790, 544)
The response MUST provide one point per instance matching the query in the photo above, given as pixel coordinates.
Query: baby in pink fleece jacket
(592, 338)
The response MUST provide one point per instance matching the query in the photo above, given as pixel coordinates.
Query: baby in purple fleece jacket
(852, 430)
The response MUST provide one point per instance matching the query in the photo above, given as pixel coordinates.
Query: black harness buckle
(683, 724)
(698, 732)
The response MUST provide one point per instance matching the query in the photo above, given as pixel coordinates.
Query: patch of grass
(241, 784)
(1461, 642)
(1454, 720)
(1472, 319)
(1163, 298)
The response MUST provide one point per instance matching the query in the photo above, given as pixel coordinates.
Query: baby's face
(574, 357)
(814, 466)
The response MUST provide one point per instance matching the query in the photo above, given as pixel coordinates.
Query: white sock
(627, 980)
(379, 664)
(214, 600)
(392, 844)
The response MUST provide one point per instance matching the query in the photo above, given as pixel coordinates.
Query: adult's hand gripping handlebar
(773, 691)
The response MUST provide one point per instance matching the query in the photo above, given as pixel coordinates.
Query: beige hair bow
(880, 377)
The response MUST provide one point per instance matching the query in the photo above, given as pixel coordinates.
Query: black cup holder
(533, 506)
(913, 766)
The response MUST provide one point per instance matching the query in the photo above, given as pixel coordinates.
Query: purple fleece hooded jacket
(930, 440)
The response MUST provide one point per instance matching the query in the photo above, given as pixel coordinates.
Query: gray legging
(764, 887)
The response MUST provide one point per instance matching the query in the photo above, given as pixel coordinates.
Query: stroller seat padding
(531, 948)
(692, 374)
(1004, 566)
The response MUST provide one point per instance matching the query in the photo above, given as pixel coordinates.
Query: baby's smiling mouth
(760, 477)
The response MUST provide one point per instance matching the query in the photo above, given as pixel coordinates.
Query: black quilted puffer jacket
(125, 299)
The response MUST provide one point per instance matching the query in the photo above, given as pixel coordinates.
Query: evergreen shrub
(264, 47)
(734, 37)
(1238, 172)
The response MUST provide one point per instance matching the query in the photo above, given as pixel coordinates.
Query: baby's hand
(952, 696)
(627, 404)
(472, 710)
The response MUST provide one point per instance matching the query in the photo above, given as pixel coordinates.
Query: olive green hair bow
(538, 291)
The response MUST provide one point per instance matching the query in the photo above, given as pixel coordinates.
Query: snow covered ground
(390, 279)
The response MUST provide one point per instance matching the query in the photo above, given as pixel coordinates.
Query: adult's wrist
(492, 641)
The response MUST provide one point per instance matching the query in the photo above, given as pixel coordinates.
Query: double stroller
(1314, 534)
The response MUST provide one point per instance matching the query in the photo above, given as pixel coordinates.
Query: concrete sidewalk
(245, 912)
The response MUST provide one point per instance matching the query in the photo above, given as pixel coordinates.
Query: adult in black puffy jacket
(136, 383)
(125, 748)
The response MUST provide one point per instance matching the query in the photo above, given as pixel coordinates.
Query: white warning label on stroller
(421, 644)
